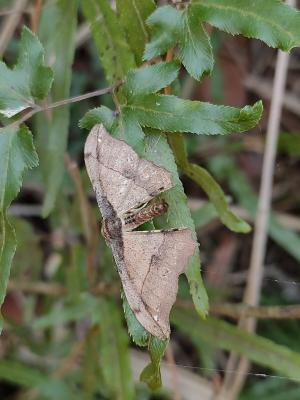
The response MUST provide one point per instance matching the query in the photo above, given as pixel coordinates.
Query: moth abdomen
(148, 213)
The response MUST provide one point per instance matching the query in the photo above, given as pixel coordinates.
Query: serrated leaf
(150, 79)
(113, 49)
(151, 373)
(100, 115)
(171, 27)
(226, 336)
(8, 245)
(213, 190)
(129, 129)
(137, 332)
(53, 133)
(158, 151)
(133, 14)
(17, 154)
(114, 346)
(28, 81)
(271, 21)
(195, 48)
(169, 113)
(165, 25)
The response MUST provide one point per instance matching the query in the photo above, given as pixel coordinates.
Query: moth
(149, 262)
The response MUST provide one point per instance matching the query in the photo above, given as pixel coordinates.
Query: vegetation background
(64, 331)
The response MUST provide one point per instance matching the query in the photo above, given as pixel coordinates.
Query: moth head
(111, 228)
(160, 207)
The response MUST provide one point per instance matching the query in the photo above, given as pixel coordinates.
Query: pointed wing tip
(95, 134)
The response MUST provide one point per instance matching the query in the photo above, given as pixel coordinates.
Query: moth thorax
(148, 213)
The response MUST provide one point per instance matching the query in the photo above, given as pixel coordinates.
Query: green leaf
(113, 49)
(158, 151)
(228, 337)
(271, 21)
(213, 190)
(129, 129)
(28, 81)
(53, 133)
(169, 113)
(137, 332)
(100, 115)
(8, 245)
(150, 79)
(133, 14)
(171, 27)
(216, 195)
(165, 25)
(151, 373)
(17, 154)
(195, 48)
(114, 347)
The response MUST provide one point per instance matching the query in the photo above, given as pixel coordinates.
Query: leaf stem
(63, 102)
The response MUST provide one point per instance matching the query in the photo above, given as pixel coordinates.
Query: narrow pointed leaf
(150, 79)
(158, 151)
(165, 26)
(271, 21)
(129, 129)
(169, 113)
(213, 190)
(100, 115)
(195, 48)
(171, 27)
(53, 134)
(114, 346)
(137, 332)
(133, 15)
(151, 373)
(229, 337)
(113, 49)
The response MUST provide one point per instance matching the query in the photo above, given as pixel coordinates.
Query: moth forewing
(149, 262)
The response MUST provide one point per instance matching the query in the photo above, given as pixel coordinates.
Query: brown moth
(148, 262)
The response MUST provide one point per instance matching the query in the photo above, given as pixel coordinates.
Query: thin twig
(56, 289)
(237, 311)
(10, 24)
(35, 15)
(61, 103)
(254, 281)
